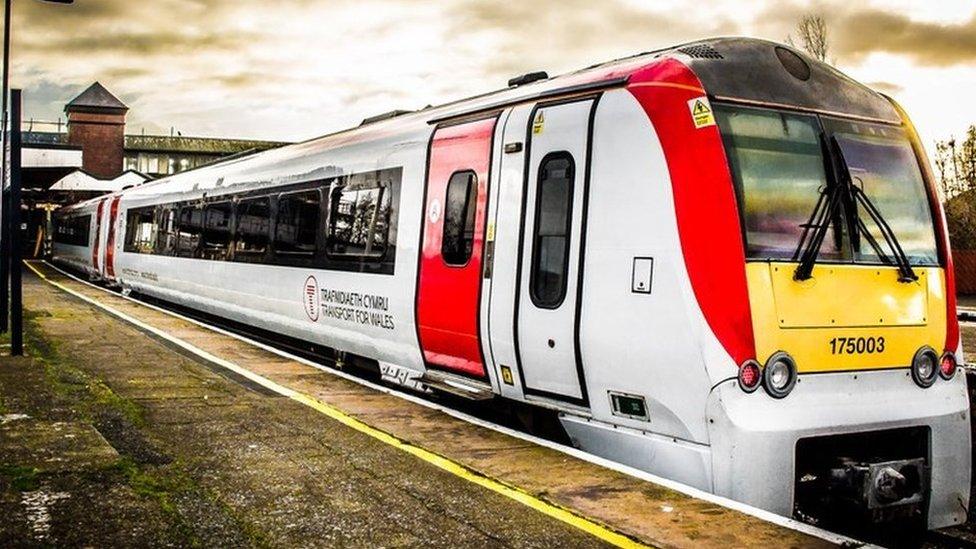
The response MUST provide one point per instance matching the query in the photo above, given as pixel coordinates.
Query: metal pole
(16, 234)
(4, 196)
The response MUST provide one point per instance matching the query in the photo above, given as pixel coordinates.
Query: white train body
(628, 302)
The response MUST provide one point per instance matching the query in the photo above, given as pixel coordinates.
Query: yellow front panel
(846, 317)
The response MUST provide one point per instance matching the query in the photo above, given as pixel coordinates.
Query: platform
(129, 425)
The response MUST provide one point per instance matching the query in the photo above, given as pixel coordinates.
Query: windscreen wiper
(808, 248)
(905, 271)
(820, 219)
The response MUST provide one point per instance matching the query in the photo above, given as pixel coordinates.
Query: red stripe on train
(704, 201)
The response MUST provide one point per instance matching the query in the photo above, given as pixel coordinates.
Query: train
(724, 262)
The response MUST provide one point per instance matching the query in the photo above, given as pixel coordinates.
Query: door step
(463, 387)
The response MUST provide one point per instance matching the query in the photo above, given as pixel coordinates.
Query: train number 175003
(857, 345)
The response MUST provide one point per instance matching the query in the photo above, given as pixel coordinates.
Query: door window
(459, 217)
(553, 220)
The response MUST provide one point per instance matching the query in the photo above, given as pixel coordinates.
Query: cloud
(45, 100)
(138, 43)
(864, 32)
(855, 32)
(558, 35)
(292, 69)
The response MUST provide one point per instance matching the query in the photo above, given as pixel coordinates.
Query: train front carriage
(832, 292)
(723, 263)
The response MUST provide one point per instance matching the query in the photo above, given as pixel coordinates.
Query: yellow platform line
(567, 516)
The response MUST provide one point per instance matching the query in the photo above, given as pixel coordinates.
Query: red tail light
(750, 376)
(948, 366)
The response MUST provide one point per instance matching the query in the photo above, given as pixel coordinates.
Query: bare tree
(811, 31)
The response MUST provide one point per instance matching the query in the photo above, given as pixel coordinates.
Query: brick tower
(96, 122)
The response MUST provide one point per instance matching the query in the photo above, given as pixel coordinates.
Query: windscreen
(881, 162)
(783, 164)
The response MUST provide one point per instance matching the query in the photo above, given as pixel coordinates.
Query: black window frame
(73, 230)
(136, 216)
(209, 247)
(470, 214)
(536, 249)
(360, 183)
(315, 231)
(389, 179)
(166, 236)
(196, 206)
(249, 255)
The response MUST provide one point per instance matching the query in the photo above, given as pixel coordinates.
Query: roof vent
(384, 116)
(701, 51)
(528, 78)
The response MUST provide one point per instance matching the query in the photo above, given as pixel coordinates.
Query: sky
(295, 69)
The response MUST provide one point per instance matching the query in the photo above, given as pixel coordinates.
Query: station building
(92, 154)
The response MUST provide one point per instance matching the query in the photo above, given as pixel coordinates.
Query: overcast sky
(293, 69)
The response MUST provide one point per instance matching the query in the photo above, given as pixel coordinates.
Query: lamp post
(6, 230)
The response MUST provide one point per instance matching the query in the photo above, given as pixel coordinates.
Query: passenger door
(113, 223)
(551, 244)
(449, 278)
(97, 240)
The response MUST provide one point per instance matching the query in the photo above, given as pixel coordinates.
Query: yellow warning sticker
(538, 123)
(701, 112)
(507, 375)
(491, 232)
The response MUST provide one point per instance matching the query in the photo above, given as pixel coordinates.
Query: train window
(361, 237)
(140, 230)
(359, 219)
(553, 221)
(253, 226)
(459, 216)
(778, 169)
(297, 223)
(216, 230)
(189, 230)
(166, 232)
(882, 164)
(75, 230)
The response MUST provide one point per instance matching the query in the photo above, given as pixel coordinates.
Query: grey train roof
(766, 72)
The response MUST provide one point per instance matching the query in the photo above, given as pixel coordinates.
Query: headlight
(779, 375)
(948, 366)
(750, 376)
(925, 367)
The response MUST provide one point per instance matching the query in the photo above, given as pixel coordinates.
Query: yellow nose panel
(846, 317)
(847, 296)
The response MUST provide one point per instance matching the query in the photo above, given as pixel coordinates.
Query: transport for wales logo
(310, 298)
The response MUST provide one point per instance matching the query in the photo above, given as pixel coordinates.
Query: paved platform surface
(155, 447)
